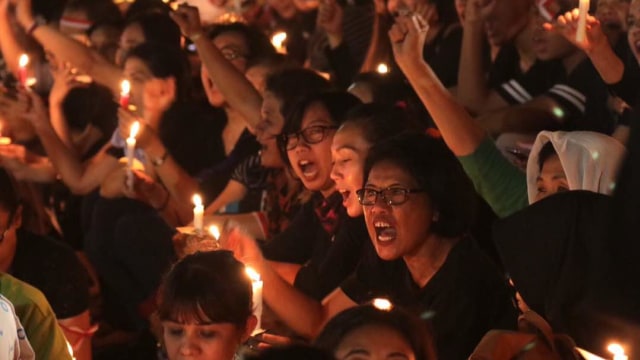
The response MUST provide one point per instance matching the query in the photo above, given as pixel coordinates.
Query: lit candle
(382, 68)
(215, 232)
(382, 304)
(125, 91)
(23, 62)
(277, 40)
(581, 31)
(3, 139)
(198, 212)
(618, 351)
(256, 284)
(131, 146)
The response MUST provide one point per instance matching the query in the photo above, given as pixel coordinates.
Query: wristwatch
(160, 160)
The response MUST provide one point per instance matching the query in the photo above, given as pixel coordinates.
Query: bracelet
(36, 23)
(162, 207)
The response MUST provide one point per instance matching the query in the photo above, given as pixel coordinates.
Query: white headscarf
(590, 160)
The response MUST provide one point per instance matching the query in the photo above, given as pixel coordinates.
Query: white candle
(618, 351)
(198, 212)
(23, 62)
(581, 32)
(257, 285)
(125, 91)
(277, 40)
(130, 150)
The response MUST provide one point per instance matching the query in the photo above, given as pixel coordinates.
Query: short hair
(437, 171)
(166, 61)
(447, 12)
(258, 43)
(546, 152)
(337, 103)
(97, 10)
(207, 286)
(158, 27)
(9, 197)
(377, 122)
(412, 329)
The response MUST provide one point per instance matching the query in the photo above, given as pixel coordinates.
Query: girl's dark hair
(258, 43)
(207, 286)
(165, 61)
(437, 171)
(9, 198)
(96, 10)
(414, 331)
(273, 61)
(377, 121)
(447, 13)
(158, 27)
(337, 103)
(385, 88)
(545, 153)
(290, 85)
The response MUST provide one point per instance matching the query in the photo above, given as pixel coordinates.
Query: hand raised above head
(567, 25)
(188, 19)
(408, 35)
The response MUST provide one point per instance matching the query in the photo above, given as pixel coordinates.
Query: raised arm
(462, 134)
(65, 49)
(235, 87)
(475, 93)
(595, 45)
(9, 44)
(379, 51)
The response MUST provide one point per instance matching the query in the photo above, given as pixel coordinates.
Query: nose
(335, 174)
(189, 347)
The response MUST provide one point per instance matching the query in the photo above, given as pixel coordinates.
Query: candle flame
(70, 349)
(382, 68)
(197, 200)
(23, 61)
(31, 82)
(135, 128)
(214, 231)
(278, 39)
(125, 87)
(382, 304)
(252, 274)
(618, 351)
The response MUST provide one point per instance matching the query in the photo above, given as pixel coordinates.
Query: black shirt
(523, 87)
(327, 257)
(54, 269)
(463, 300)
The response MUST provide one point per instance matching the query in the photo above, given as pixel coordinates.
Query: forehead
(386, 173)
(350, 137)
(316, 113)
(231, 39)
(135, 65)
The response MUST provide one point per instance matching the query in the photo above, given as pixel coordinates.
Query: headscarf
(590, 160)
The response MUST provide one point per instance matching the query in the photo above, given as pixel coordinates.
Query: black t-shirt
(54, 269)
(523, 87)
(327, 258)
(443, 54)
(583, 98)
(463, 300)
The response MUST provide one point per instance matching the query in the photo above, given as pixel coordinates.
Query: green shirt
(39, 321)
(497, 180)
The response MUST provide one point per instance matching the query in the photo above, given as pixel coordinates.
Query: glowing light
(31, 81)
(125, 91)
(23, 61)
(277, 40)
(135, 128)
(214, 231)
(595, 155)
(618, 351)
(382, 304)
(252, 274)
(382, 68)
(198, 213)
(558, 112)
(70, 349)
(588, 356)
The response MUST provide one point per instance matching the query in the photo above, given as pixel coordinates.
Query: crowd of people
(410, 179)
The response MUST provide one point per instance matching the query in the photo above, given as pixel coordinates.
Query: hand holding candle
(257, 285)
(583, 11)
(130, 150)
(198, 212)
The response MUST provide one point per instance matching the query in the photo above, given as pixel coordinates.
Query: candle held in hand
(198, 212)
(256, 284)
(130, 150)
(581, 31)
(125, 93)
(23, 62)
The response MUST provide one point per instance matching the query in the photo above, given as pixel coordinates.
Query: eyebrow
(347, 147)
(356, 352)
(398, 355)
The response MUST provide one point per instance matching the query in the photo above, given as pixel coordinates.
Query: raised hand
(157, 96)
(37, 113)
(24, 12)
(330, 19)
(567, 25)
(407, 36)
(145, 137)
(63, 81)
(244, 248)
(188, 19)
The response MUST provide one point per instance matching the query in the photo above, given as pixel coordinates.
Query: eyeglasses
(311, 135)
(391, 196)
(231, 54)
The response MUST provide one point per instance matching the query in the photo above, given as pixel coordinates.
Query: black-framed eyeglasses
(231, 54)
(311, 135)
(391, 196)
